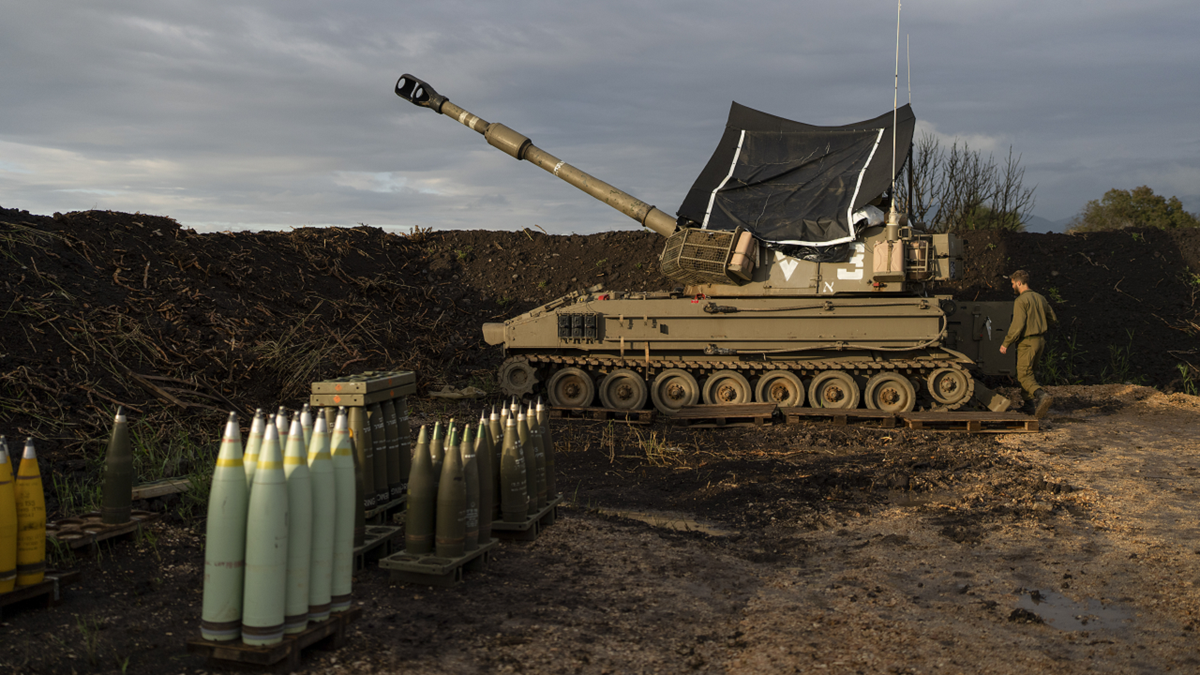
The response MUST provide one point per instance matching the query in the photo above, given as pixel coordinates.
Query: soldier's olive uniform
(1032, 317)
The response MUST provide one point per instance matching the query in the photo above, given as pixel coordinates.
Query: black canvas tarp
(796, 184)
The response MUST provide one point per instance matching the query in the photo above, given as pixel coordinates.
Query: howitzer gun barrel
(518, 146)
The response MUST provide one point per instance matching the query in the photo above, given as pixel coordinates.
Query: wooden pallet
(839, 418)
(45, 594)
(971, 422)
(432, 570)
(381, 515)
(86, 531)
(731, 415)
(603, 414)
(284, 657)
(530, 528)
(377, 544)
(161, 488)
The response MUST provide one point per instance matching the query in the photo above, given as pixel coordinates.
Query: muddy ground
(782, 549)
(776, 550)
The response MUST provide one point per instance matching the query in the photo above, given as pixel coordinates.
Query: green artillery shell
(437, 454)
(300, 509)
(514, 498)
(487, 483)
(543, 417)
(348, 513)
(466, 451)
(225, 540)
(450, 536)
(527, 451)
(306, 424)
(380, 445)
(497, 428)
(391, 434)
(404, 436)
(324, 514)
(497, 435)
(422, 500)
(539, 455)
(253, 443)
(264, 591)
(118, 474)
(360, 434)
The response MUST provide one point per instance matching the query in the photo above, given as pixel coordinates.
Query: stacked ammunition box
(378, 407)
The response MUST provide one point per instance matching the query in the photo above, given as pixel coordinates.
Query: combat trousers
(1029, 353)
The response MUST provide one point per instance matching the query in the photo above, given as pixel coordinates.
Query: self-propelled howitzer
(792, 289)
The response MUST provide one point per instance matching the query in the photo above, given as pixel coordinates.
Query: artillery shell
(514, 498)
(253, 443)
(450, 536)
(419, 518)
(380, 445)
(264, 590)
(404, 438)
(306, 423)
(348, 514)
(391, 432)
(360, 434)
(488, 504)
(225, 540)
(300, 510)
(118, 474)
(31, 520)
(466, 450)
(8, 522)
(324, 513)
(543, 416)
(539, 456)
(527, 452)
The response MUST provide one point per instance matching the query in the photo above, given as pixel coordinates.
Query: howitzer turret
(793, 289)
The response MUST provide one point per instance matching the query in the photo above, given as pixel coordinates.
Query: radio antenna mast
(893, 217)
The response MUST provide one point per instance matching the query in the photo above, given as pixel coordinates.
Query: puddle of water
(1063, 613)
(680, 522)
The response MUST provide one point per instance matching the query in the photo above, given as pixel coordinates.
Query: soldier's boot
(1041, 403)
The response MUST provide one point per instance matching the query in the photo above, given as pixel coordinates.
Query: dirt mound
(106, 308)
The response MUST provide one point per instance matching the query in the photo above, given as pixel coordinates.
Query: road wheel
(517, 377)
(623, 389)
(725, 387)
(673, 389)
(890, 392)
(780, 387)
(571, 388)
(833, 389)
(948, 386)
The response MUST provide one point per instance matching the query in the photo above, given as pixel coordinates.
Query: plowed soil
(781, 549)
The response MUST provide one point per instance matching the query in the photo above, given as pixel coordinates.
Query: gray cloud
(276, 114)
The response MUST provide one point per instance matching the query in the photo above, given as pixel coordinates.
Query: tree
(960, 190)
(1139, 207)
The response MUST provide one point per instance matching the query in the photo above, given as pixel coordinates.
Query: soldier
(1032, 316)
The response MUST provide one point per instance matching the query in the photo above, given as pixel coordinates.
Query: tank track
(599, 365)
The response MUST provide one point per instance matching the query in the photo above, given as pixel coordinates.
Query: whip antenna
(893, 217)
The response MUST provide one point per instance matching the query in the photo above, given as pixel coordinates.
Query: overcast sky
(250, 115)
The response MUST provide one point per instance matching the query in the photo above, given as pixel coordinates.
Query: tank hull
(665, 350)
